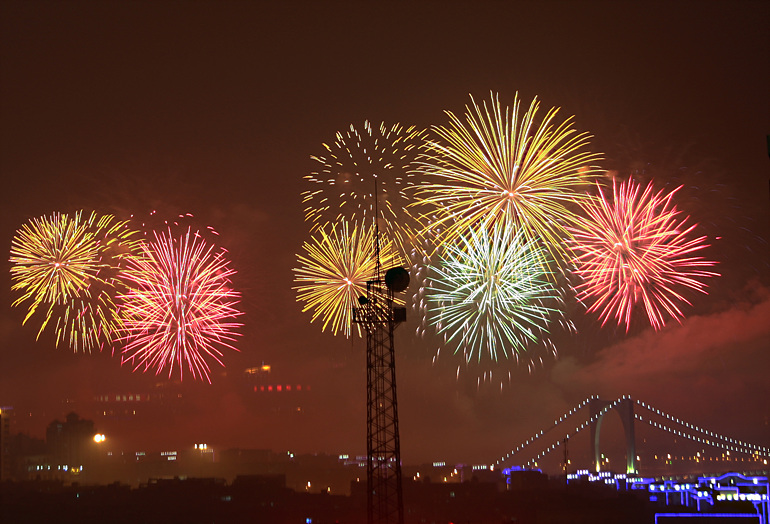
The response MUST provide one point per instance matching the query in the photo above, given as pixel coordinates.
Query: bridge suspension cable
(586, 424)
(540, 433)
(695, 432)
(699, 434)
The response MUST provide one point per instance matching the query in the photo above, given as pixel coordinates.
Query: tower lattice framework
(383, 474)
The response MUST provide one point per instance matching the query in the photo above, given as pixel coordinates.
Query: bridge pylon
(625, 409)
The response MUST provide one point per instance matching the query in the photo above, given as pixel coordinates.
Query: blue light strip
(710, 515)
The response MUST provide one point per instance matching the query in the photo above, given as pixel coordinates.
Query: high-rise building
(70, 442)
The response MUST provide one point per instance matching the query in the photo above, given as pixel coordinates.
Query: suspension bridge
(590, 414)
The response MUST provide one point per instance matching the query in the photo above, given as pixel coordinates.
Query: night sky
(215, 108)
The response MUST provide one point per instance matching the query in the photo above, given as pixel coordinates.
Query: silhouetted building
(25, 455)
(70, 443)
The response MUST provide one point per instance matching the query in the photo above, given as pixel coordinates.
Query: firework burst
(490, 297)
(68, 268)
(637, 251)
(333, 272)
(180, 310)
(344, 185)
(501, 169)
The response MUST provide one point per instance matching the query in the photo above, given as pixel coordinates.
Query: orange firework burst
(69, 267)
(499, 169)
(334, 270)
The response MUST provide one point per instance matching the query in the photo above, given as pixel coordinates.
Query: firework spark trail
(490, 297)
(420, 260)
(333, 271)
(69, 266)
(344, 186)
(636, 250)
(181, 308)
(498, 168)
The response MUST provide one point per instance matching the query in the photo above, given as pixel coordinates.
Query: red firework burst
(636, 250)
(181, 308)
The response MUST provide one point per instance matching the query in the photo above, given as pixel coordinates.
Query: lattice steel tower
(379, 318)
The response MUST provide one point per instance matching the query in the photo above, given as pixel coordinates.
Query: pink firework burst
(181, 308)
(637, 251)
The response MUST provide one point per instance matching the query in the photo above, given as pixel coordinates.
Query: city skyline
(216, 109)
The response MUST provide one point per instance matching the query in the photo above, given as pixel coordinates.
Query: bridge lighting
(758, 456)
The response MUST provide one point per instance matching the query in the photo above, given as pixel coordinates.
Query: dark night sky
(214, 108)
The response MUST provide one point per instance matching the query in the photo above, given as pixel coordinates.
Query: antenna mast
(379, 318)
